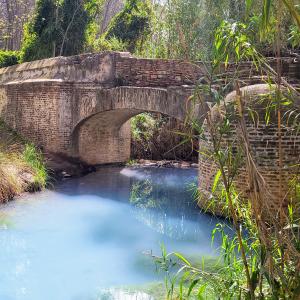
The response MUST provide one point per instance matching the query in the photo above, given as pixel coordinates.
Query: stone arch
(170, 101)
(104, 137)
(102, 132)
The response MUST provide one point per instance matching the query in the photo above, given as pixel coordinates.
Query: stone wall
(156, 72)
(101, 127)
(264, 146)
(84, 120)
(78, 106)
(111, 69)
(33, 110)
(87, 68)
(106, 68)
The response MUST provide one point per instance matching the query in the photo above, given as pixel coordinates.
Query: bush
(155, 136)
(132, 25)
(9, 58)
(112, 44)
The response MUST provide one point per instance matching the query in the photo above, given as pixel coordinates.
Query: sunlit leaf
(182, 258)
(216, 181)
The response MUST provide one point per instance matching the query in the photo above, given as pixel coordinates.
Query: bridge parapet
(91, 68)
(107, 69)
(111, 69)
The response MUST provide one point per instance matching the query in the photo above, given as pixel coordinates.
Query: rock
(65, 174)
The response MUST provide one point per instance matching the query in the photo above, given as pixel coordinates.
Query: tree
(185, 28)
(132, 25)
(13, 15)
(75, 19)
(41, 34)
(58, 28)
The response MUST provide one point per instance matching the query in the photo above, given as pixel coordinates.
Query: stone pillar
(263, 141)
(102, 139)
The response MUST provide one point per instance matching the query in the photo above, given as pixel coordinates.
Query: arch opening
(106, 138)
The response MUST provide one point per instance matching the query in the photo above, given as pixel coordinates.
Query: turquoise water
(88, 235)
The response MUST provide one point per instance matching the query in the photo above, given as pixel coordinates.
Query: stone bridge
(80, 106)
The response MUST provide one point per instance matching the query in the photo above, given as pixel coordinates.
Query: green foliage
(261, 258)
(41, 34)
(291, 7)
(143, 126)
(33, 157)
(185, 29)
(232, 43)
(58, 28)
(185, 21)
(74, 22)
(132, 25)
(294, 36)
(156, 44)
(21, 165)
(112, 44)
(131, 163)
(9, 58)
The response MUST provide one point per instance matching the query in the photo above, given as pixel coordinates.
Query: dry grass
(21, 168)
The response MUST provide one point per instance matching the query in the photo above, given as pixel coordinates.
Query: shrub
(112, 44)
(132, 25)
(9, 58)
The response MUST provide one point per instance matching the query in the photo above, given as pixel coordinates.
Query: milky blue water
(88, 234)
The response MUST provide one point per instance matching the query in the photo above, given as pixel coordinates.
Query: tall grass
(34, 158)
(21, 165)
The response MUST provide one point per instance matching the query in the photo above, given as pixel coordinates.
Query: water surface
(88, 234)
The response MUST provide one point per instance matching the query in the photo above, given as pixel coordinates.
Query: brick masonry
(264, 146)
(80, 106)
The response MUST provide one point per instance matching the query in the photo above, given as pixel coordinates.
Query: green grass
(157, 290)
(33, 157)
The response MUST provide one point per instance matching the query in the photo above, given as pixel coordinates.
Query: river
(86, 237)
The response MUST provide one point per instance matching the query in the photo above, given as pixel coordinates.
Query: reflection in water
(165, 203)
(88, 234)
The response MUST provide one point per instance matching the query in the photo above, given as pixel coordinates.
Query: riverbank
(61, 167)
(163, 163)
(21, 165)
